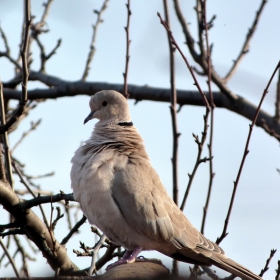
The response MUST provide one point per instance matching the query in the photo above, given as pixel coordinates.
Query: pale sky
(254, 224)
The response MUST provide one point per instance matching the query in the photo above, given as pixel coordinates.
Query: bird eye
(104, 103)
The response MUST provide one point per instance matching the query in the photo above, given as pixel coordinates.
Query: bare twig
(58, 217)
(93, 40)
(30, 191)
(73, 230)
(211, 101)
(7, 53)
(127, 56)
(173, 112)
(6, 141)
(272, 252)
(24, 257)
(25, 72)
(246, 151)
(278, 271)
(245, 47)
(277, 102)
(9, 257)
(2, 166)
(94, 254)
(12, 232)
(46, 10)
(199, 160)
(45, 57)
(186, 61)
(32, 127)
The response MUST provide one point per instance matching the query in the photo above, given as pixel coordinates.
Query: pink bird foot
(128, 257)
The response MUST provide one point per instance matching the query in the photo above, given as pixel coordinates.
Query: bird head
(108, 105)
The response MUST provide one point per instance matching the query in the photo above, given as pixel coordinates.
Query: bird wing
(147, 207)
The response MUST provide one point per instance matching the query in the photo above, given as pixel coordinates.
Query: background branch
(93, 40)
(246, 151)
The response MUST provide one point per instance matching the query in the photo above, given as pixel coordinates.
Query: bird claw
(128, 257)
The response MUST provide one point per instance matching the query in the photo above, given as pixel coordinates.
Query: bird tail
(233, 267)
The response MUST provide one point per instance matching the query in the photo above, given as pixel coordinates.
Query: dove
(120, 192)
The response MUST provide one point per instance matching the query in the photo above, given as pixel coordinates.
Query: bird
(121, 193)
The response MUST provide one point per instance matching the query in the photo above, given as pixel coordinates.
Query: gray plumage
(121, 193)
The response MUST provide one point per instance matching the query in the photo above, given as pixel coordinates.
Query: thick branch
(62, 88)
(36, 230)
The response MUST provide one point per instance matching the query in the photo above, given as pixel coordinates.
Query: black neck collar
(125, 123)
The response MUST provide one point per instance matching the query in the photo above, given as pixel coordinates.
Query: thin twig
(127, 56)
(93, 40)
(245, 47)
(94, 254)
(278, 271)
(46, 10)
(25, 72)
(277, 102)
(2, 166)
(212, 104)
(187, 63)
(30, 191)
(73, 230)
(7, 53)
(246, 151)
(200, 58)
(24, 256)
(32, 127)
(173, 112)
(45, 57)
(6, 141)
(51, 231)
(12, 232)
(24, 54)
(199, 160)
(9, 257)
(265, 269)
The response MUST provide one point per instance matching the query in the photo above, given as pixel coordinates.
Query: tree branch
(245, 47)
(246, 151)
(127, 56)
(62, 88)
(93, 40)
(35, 229)
(9, 257)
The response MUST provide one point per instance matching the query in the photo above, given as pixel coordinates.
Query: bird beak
(89, 117)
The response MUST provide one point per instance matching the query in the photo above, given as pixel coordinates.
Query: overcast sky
(254, 224)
